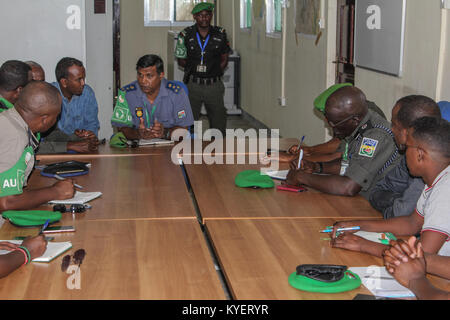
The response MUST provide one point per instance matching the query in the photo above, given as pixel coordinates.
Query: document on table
(279, 175)
(54, 249)
(79, 198)
(155, 141)
(381, 237)
(380, 282)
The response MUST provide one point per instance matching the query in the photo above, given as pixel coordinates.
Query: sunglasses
(77, 258)
(74, 208)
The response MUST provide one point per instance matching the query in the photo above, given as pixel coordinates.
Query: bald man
(37, 72)
(36, 110)
(369, 154)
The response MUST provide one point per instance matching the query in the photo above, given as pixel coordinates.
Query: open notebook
(78, 198)
(54, 249)
(378, 281)
(156, 141)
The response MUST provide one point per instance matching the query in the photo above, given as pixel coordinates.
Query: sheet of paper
(279, 175)
(54, 249)
(380, 283)
(79, 198)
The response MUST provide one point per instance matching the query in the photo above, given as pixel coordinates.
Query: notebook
(78, 198)
(156, 141)
(279, 175)
(381, 283)
(54, 249)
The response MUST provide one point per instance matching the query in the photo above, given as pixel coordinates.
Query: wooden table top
(107, 151)
(133, 188)
(257, 256)
(219, 198)
(194, 147)
(124, 260)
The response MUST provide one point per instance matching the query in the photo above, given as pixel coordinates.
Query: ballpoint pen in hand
(44, 227)
(62, 178)
(300, 157)
(341, 229)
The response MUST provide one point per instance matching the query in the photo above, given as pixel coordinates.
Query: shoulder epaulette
(173, 86)
(129, 88)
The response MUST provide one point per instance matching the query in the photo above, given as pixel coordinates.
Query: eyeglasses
(333, 125)
(78, 258)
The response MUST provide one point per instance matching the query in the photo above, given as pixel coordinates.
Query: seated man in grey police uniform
(397, 193)
(151, 107)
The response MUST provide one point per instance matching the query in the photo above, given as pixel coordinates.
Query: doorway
(345, 69)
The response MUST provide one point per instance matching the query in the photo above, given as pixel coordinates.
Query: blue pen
(44, 226)
(341, 229)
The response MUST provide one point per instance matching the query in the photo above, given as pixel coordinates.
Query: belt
(203, 81)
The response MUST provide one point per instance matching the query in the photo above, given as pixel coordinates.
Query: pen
(44, 227)
(341, 229)
(300, 157)
(62, 178)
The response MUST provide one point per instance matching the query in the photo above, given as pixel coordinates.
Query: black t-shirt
(217, 46)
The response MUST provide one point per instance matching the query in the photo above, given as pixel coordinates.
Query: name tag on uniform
(201, 68)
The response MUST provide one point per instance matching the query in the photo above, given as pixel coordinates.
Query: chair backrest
(445, 109)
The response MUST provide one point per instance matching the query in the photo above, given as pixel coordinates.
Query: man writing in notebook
(36, 110)
(428, 157)
(151, 107)
(370, 151)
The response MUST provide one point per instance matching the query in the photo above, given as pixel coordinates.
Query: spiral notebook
(54, 249)
(78, 198)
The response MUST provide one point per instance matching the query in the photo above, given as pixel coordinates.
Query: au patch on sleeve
(368, 147)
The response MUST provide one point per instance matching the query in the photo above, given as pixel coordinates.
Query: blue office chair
(445, 109)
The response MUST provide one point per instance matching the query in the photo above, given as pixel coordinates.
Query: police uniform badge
(139, 112)
(368, 147)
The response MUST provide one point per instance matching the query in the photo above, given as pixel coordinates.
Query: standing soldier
(203, 51)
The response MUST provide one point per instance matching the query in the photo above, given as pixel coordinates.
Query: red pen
(285, 187)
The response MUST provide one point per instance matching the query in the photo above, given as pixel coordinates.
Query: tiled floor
(243, 122)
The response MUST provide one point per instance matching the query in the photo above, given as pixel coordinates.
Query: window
(273, 16)
(246, 14)
(169, 12)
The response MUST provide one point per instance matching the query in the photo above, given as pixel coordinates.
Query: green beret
(253, 178)
(203, 6)
(321, 100)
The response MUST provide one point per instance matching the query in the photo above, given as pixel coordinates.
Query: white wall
(37, 30)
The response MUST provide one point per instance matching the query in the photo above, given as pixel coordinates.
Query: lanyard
(151, 115)
(204, 46)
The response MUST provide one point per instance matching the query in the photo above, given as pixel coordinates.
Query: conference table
(219, 198)
(125, 260)
(166, 229)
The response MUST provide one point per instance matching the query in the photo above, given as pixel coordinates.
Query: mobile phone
(58, 229)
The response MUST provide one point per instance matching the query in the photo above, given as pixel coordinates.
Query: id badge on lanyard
(201, 68)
